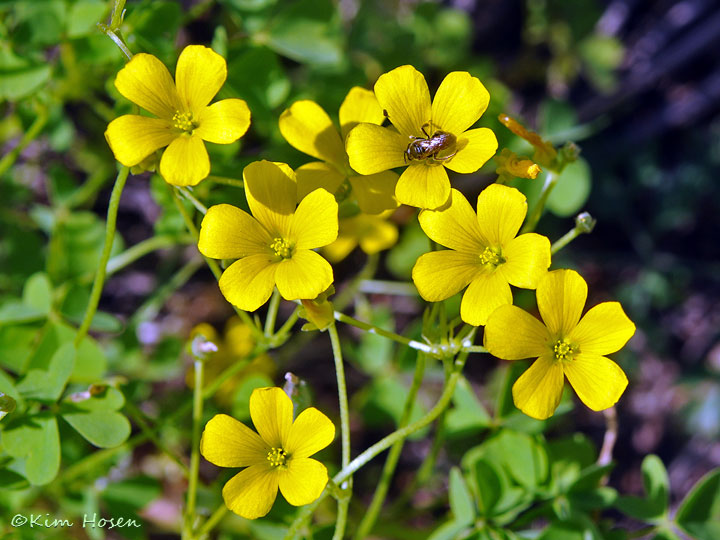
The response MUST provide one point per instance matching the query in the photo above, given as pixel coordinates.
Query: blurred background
(636, 84)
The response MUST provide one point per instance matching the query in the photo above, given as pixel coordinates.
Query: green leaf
(48, 385)
(93, 414)
(307, 31)
(14, 312)
(90, 362)
(20, 77)
(468, 414)
(488, 486)
(656, 483)
(524, 459)
(249, 5)
(374, 353)
(16, 346)
(572, 189)
(461, 502)
(699, 513)
(83, 17)
(104, 429)
(448, 531)
(563, 531)
(35, 439)
(384, 399)
(37, 292)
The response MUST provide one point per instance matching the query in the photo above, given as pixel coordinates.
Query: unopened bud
(585, 223)
(201, 348)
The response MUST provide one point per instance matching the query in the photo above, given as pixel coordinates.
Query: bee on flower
(427, 137)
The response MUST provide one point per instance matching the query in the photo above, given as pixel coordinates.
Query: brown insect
(430, 147)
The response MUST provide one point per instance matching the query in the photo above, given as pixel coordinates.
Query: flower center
(564, 351)
(282, 248)
(277, 457)
(492, 257)
(184, 121)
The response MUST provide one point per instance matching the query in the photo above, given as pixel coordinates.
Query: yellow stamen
(564, 351)
(282, 248)
(277, 457)
(492, 256)
(184, 121)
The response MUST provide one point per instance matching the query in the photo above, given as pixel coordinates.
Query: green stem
(33, 131)
(195, 451)
(107, 248)
(272, 313)
(190, 197)
(150, 308)
(344, 429)
(368, 520)
(212, 521)
(568, 237)
(226, 181)
(372, 329)
(551, 179)
(139, 418)
(117, 39)
(287, 325)
(385, 443)
(141, 249)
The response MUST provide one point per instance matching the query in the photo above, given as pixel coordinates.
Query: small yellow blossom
(510, 166)
(307, 127)
(565, 346)
(183, 117)
(404, 96)
(372, 233)
(484, 252)
(278, 455)
(235, 345)
(274, 245)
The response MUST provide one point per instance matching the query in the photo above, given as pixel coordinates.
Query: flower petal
(185, 162)
(227, 232)
(226, 442)
(455, 226)
(561, 296)
(538, 391)
(249, 282)
(424, 186)
(303, 481)
(527, 260)
(375, 193)
(307, 127)
(199, 75)
(604, 329)
(317, 174)
(474, 148)
(404, 94)
(223, 122)
(132, 138)
(440, 274)
(512, 333)
(501, 210)
(459, 102)
(304, 276)
(147, 82)
(251, 493)
(598, 381)
(373, 149)
(484, 295)
(271, 411)
(271, 191)
(311, 432)
(315, 222)
(360, 105)
(375, 233)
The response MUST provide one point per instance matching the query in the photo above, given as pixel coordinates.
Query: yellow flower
(372, 233)
(404, 96)
(484, 252)
(307, 127)
(278, 457)
(275, 246)
(566, 346)
(184, 119)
